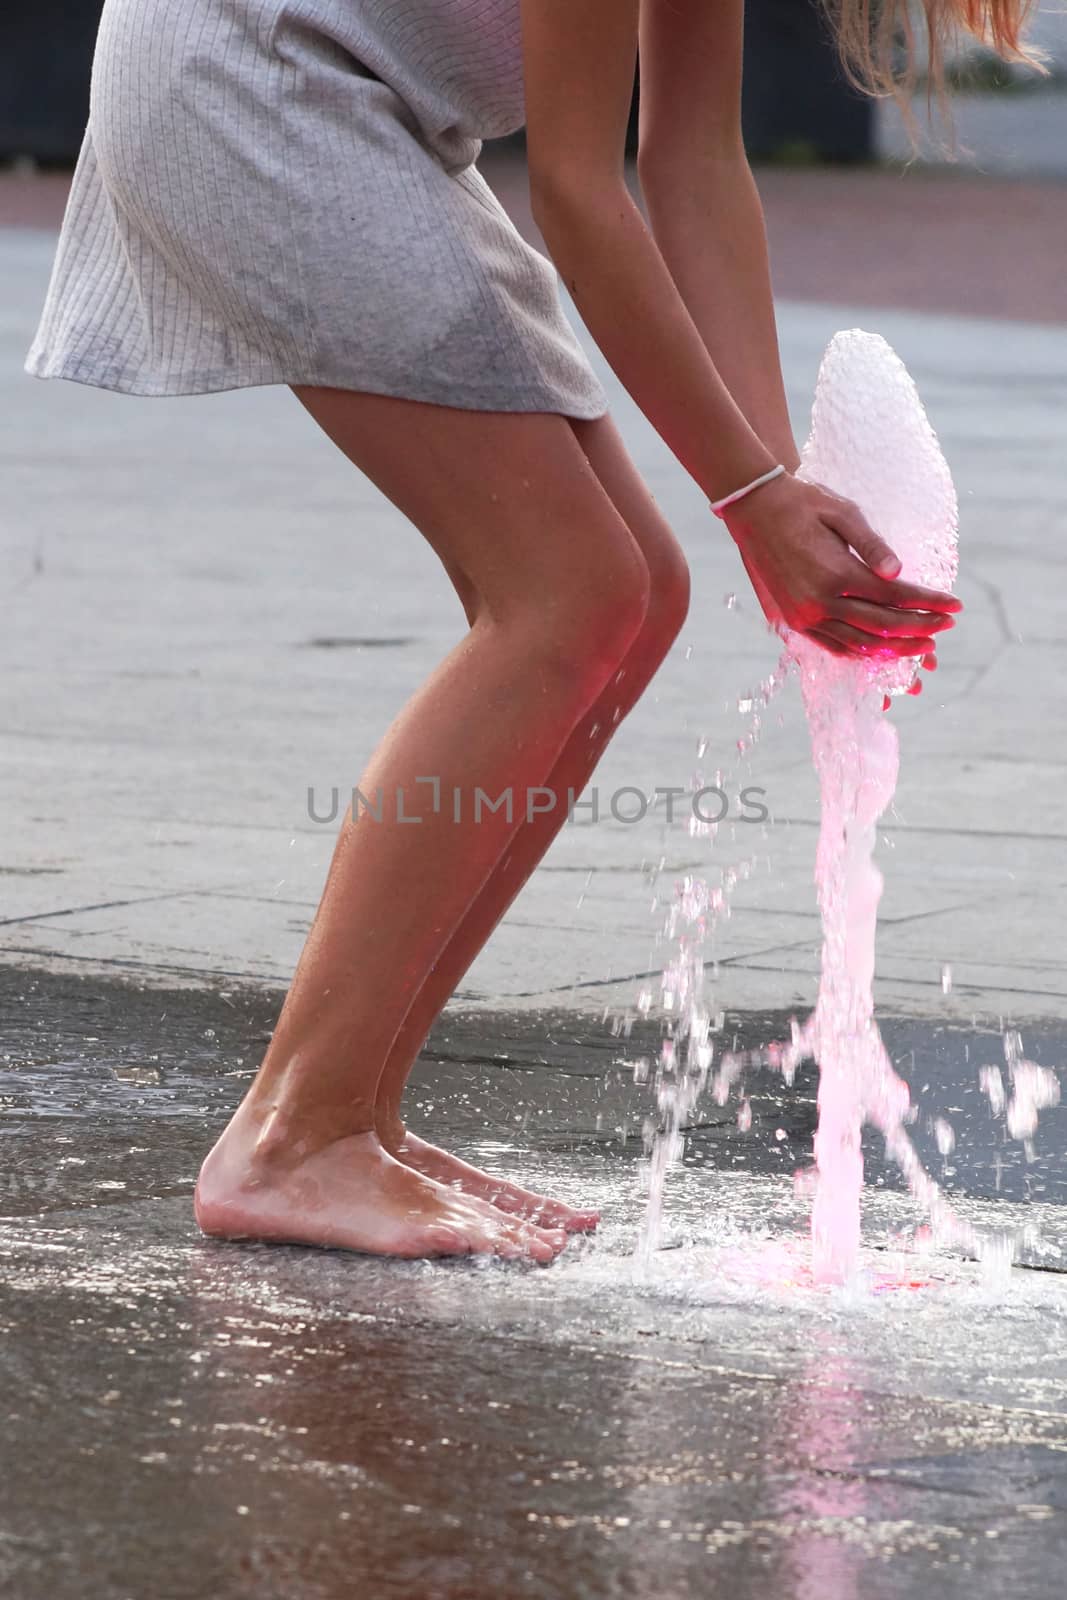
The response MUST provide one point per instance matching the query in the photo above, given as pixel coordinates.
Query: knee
(613, 615)
(665, 614)
(586, 631)
(667, 609)
(618, 610)
(669, 595)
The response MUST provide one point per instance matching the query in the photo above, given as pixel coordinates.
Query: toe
(542, 1244)
(516, 1202)
(543, 1249)
(509, 1249)
(486, 1238)
(554, 1214)
(583, 1221)
(442, 1240)
(555, 1238)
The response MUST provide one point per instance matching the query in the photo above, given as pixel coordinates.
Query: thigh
(510, 501)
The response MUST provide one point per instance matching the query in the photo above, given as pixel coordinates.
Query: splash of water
(870, 441)
(689, 1008)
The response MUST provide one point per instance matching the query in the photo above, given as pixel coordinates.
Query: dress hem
(181, 387)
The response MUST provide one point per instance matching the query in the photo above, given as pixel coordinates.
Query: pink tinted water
(870, 441)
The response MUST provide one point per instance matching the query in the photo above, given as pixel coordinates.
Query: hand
(794, 539)
(916, 684)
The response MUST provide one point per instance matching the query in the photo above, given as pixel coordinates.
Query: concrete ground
(192, 644)
(194, 647)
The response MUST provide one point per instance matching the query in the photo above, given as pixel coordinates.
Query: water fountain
(871, 441)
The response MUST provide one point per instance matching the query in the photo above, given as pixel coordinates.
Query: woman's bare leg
(511, 502)
(669, 597)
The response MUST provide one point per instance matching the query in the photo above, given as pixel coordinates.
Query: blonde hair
(878, 44)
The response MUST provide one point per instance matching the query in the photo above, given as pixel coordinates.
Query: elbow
(682, 163)
(553, 202)
(546, 200)
(563, 203)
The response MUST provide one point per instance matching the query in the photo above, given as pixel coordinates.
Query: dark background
(796, 105)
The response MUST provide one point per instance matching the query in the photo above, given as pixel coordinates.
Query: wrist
(743, 491)
(783, 448)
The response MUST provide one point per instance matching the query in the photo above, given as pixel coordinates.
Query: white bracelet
(718, 505)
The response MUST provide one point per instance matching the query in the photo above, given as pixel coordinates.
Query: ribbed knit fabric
(285, 191)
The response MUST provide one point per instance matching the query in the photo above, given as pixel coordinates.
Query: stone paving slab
(183, 666)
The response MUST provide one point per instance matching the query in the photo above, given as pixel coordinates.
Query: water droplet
(946, 1138)
(991, 1083)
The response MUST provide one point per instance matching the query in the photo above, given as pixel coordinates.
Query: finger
(848, 520)
(886, 622)
(860, 643)
(914, 687)
(827, 641)
(929, 661)
(909, 597)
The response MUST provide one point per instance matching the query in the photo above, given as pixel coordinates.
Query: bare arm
(815, 563)
(703, 203)
(602, 247)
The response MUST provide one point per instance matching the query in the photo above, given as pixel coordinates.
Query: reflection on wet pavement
(189, 1417)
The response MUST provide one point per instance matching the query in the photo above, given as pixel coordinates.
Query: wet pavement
(189, 1417)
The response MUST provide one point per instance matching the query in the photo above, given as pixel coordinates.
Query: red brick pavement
(928, 240)
(925, 239)
(970, 244)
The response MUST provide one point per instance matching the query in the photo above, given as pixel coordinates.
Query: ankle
(275, 1134)
(390, 1128)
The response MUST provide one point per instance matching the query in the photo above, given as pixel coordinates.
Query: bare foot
(353, 1195)
(506, 1197)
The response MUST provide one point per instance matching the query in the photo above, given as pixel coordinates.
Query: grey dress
(285, 191)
